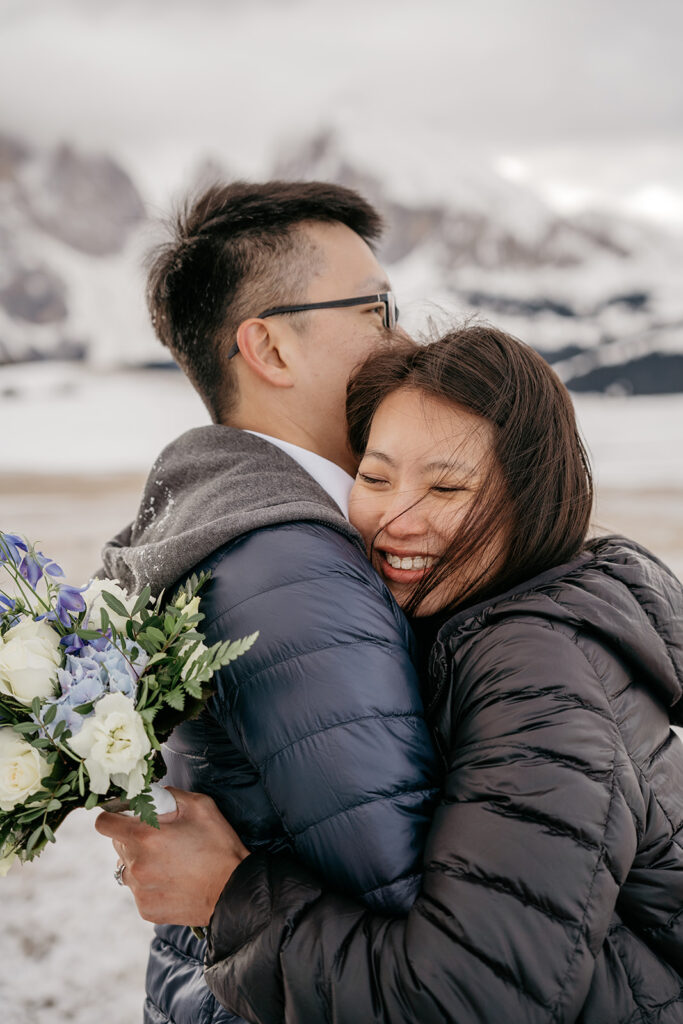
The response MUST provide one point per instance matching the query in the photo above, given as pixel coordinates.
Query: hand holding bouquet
(92, 681)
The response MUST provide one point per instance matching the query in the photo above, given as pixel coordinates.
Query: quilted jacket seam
(506, 889)
(646, 784)
(338, 725)
(365, 642)
(599, 860)
(494, 966)
(665, 925)
(387, 885)
(274, 587)
(179, 952)
(208, 999)
(363, 803)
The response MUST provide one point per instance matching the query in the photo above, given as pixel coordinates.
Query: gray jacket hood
(209, 486)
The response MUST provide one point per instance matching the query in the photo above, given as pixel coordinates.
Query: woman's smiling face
(425, 462)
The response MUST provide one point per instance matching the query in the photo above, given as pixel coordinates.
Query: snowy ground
(70, 475)
(72, 946)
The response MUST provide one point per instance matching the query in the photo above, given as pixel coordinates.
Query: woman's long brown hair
(539, 495)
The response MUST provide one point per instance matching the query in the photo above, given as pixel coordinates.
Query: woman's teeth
(416, 562)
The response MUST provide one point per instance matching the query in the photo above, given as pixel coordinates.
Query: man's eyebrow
(375, 284)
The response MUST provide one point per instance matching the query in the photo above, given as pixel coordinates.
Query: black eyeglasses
(387, 299)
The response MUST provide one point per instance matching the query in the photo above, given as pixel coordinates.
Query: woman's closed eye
(369, 479)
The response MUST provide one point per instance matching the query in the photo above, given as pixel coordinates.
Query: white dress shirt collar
(331, 477)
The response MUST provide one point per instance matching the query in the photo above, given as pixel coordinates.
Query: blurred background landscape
(528, 159)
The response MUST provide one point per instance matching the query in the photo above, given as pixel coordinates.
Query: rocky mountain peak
(87, 201)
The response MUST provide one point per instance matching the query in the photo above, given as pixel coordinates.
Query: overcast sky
(577, 96)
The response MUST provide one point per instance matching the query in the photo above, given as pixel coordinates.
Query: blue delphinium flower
(35, 564)
(69, 602)
(12, 547)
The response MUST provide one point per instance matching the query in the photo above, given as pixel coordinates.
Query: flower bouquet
(92, 681)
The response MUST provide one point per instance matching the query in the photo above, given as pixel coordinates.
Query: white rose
(114, 744)
(21, 769)
(29, 657)
(94, 602)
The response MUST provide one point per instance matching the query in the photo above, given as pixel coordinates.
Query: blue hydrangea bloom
(88, 674)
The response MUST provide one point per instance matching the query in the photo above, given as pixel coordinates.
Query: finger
(185, 804)
(118, 826)
(168, 816)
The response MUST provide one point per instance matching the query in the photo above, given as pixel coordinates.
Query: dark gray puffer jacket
(553, 886)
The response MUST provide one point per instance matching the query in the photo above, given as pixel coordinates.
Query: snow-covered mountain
(599, 295)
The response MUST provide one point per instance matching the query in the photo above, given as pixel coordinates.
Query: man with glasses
(315, 741)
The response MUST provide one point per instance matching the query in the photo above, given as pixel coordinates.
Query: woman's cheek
(363, 514)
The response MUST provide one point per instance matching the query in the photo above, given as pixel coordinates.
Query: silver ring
(118, 874)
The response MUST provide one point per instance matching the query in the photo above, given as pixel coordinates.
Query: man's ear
(263, 350)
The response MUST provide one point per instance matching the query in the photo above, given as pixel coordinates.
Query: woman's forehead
(413, 425)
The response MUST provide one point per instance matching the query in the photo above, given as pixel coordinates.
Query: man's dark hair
(236, 250)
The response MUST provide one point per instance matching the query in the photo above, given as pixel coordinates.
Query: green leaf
(105, 621)
(35, 706)
(236, 648)
(148, 714)
(88, 634)
(155, 634)
(42, 743)
(59, 729)
(49, 834)
(143, 599)
(143, 806)
(193, 688)
(54, 805)
(91, 801)
(50, 715)
(34, 837)
(176, 699)
(25, 727)
(154, 660)
(84, 709)
(81, 780)
(115, 605)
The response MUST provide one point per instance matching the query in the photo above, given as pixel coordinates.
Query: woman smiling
(553, 672)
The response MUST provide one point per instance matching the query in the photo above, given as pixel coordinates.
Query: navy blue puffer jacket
(315, 741)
